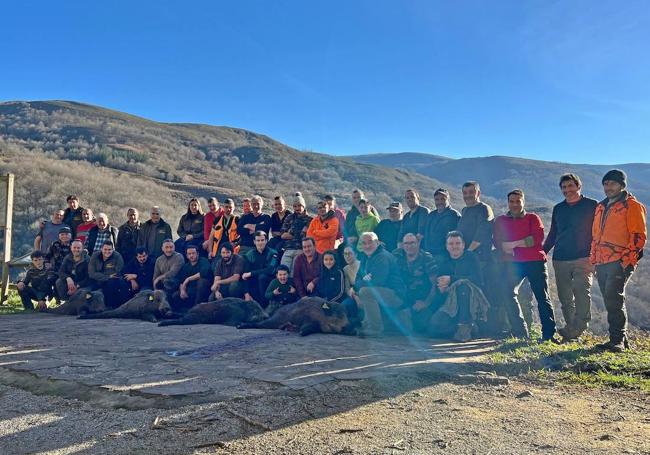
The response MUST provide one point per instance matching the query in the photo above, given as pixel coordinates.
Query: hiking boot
(612, 346)
(568, 334)
(463, 333)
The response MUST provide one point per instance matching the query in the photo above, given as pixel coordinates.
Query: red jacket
(529, 228)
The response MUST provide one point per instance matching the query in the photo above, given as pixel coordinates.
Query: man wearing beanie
(619, 234)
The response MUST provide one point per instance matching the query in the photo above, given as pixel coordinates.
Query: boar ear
(88, 296)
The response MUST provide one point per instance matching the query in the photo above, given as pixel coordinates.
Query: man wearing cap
(154, 232)
(619, 234)
(58, 250)
(388, 229)
(570, 239)
(415, 219)
(294, 230)
(440, 222)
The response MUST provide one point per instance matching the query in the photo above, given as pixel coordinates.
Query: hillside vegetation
(115, 160)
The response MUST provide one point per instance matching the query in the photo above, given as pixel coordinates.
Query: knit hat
(441, 191)
(395, 205)
(616, 175)
(298, 199)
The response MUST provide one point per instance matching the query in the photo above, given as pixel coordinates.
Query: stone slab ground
(122, 386)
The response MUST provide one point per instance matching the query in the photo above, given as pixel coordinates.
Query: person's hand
(188, 237)
(248, 297)
(155, 282)
(292, 290)
(276, 291)
(250, 227)
(183, 291)
(72, 288)
(134, 285)
(351, 293)
(310, 287)
(246, 275)
(20, 285)
(217, 295)
(419, 305)
(41, 305)
(130, 276)
(214, 287)
(206, 245)
(48, 266)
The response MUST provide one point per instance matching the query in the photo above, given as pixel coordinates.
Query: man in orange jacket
(324, 228)
(619, 234)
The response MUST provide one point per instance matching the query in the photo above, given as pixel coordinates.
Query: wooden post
(7, 182)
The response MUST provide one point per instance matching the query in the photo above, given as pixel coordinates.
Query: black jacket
(144, 271)
(152, 235)
(127, 240)
(78, 271)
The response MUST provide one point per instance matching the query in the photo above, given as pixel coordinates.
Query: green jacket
(366, 223)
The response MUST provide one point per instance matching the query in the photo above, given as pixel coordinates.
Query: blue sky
(563, 81)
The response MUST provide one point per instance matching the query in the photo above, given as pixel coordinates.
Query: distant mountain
(114, 160)
(498, 175)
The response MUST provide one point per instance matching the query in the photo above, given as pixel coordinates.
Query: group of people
(439, 272)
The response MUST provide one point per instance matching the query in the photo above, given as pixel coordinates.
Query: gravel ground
(454, 416)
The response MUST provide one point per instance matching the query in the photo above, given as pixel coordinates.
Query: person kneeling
(194, 278)
(227, 273)
(37, 284)
(378, 290)
(460, 299)
(280, 292)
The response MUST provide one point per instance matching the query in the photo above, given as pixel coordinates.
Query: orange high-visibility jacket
(619, 233)
(324, 232)
(217, 233)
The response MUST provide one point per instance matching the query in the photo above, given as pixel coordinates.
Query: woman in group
(350, 271)
(190, 227)
(331, 283)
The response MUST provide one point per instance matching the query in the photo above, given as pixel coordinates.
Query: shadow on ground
(186, 377)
